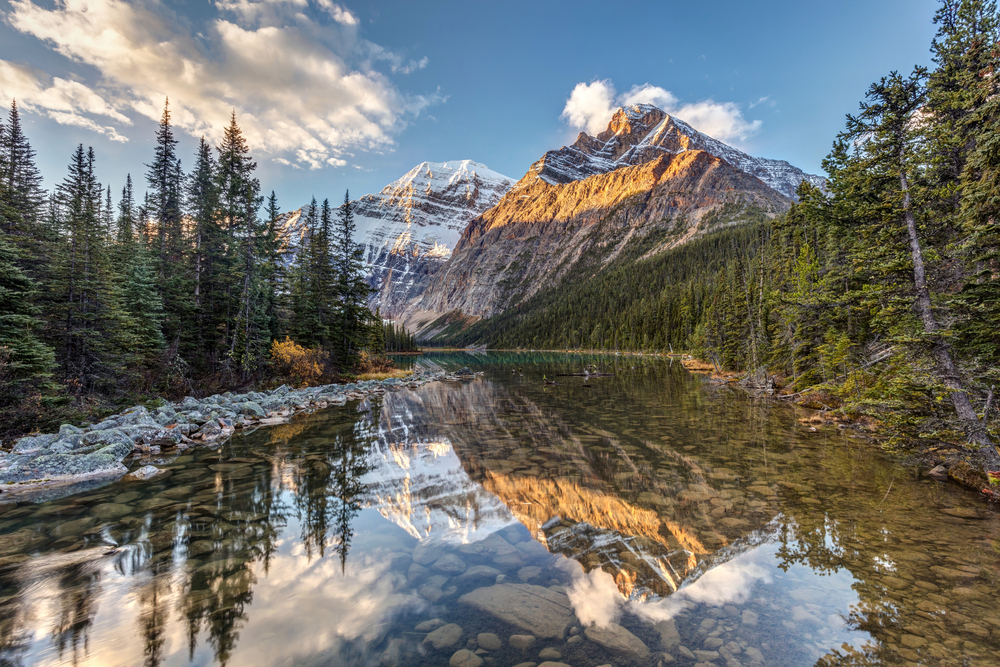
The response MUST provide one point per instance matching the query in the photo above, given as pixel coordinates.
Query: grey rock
(425, 554)
(616, 638)
(34, 443)
(428, 626)
(465, 658)
(444, 637)
(536, 609)
(449, 563)
(750, 618)
(522, 642)
(144, 473)
(480, 571)
(252, 409)
(669, 637)
(489, 641)
(69, 429)
(549, 653)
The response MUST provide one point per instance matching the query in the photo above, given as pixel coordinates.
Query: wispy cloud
(591, 105)
(304, 84)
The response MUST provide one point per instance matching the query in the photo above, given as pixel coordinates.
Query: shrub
(302, 366)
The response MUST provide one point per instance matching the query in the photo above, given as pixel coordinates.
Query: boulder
(535, 609)
(34, 444)
(449, 564)
(465, 658)
(616, 638)
(444, 637)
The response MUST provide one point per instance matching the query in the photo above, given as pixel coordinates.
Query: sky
(338, 96)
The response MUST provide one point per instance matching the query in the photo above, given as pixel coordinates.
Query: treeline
(105, 297)
(882, 294)
(397, 338)
(654, 304)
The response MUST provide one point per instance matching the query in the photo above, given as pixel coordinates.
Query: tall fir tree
(355, 318)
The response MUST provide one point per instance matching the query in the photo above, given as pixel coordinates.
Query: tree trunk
(940, 348)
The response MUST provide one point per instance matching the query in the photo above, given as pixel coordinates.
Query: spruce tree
(352, 291)
(25, 358)
(164, 179)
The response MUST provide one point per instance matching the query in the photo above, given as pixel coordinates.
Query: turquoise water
(627, 520)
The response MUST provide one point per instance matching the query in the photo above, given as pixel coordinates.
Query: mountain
(410, 228)
(648, 183)
(641, 133)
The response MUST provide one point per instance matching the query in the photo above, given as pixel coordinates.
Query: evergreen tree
(23, 356)
(21, 178)
(354, 316)
(165, 181)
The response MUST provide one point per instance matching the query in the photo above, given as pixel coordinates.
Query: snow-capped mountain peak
(642, 132)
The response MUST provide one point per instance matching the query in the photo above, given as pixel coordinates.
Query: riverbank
(93, 454)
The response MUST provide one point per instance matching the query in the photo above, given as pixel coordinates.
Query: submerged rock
(444, 637)
(536, 609)
(616, 638)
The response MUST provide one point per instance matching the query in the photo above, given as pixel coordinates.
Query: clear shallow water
(711, 527)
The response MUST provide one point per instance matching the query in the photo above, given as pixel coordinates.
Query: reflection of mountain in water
(453, 464)
(421, 487)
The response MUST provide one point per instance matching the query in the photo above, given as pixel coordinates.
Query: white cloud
(338, 13)
(595, 598)
(301, 87)
(590, 107)
(66, 102)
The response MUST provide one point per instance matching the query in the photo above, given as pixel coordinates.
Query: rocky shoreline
(96, 452)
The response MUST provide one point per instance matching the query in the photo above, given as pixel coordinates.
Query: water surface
(714, 528)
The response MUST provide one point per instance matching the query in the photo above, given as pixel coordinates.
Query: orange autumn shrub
(302, 366)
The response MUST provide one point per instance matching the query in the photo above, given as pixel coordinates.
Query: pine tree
(354, 316)
(21, 178)
(24, 357)
(165, 181)
(85, 312)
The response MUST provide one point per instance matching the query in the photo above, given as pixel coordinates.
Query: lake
(642, 517)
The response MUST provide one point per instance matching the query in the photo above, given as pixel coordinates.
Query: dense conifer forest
(880, 296)
(106, 298)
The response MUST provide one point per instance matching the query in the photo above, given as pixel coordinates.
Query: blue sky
(351, 95)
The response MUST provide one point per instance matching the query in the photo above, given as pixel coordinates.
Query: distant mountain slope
(411, 226)
(646, 184)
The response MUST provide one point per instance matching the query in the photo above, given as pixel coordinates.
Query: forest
(106, 300)
(880, 296)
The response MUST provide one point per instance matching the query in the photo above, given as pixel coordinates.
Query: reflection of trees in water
(194, 557)
(330, 488)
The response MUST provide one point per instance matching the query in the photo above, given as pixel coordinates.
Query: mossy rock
(967, 475)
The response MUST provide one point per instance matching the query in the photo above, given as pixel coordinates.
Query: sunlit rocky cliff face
(648, 183)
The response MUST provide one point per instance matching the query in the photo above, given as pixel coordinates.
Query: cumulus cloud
(595, 598)
(66, 102)
(591, 105)
(304, 89)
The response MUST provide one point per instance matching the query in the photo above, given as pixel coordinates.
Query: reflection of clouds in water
(595, 597)
(341, 608)
(730, 583)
